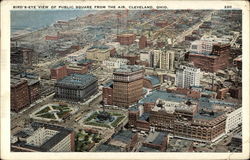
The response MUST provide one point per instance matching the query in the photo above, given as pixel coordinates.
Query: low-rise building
(156, 140)
(126, 39)
(71, 69)
(124, 139)
(98, 53)
(151, 82)
(58, 71)
(113, 63)
(234, 120)
(42, 137)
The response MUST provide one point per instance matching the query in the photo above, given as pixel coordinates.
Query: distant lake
(37, 19)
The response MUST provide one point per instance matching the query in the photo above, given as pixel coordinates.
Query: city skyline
(130, 81)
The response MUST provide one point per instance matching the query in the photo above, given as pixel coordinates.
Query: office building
(42, 137)
(76, 87)
(167, 60)
(58, 71)
(98, 53)
(127, 86)
(213, 61)
(19, 94)
(113, 63)
(187, 76)
(126, 39)
(142, 42)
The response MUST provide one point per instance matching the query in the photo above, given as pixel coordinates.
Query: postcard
(124, 79)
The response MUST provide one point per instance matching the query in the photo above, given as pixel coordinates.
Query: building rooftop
(58, 65)
(84, 61)
(144, 116)
(107, 148)
(124, 136)
(15, 81)
(101, 47)
(155, 138)
(153, 79)
(201, 114)
(147, 149)
(133, 108)
(128, 68)
(47, 145)
(108, 84)
(157, 94)
(81, 80)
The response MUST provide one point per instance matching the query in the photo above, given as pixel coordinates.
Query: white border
(5, 81)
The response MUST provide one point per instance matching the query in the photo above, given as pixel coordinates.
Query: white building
(201, 46)
(187, 76)
(234, 119)
(113, 63)
(145, 56)
(167, 60)
(76, 56)
(44, 138)
(205, 44)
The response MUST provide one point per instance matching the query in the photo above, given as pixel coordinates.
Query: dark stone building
(76, 87)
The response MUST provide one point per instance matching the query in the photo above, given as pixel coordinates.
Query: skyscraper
(187, 76)
(167, 60)
(127, 86)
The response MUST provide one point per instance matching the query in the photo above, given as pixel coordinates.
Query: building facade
(187, 76)
(234, 119)
(126, 39)
(142, 42)
(19, 94)
(127, 86)
(167, 60)
(42, 137)
(113, 63)
(76, 87)
(98, 53)
(58, 72)
(218, 59)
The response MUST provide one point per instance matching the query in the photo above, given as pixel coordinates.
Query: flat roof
(128, 68)
(124, 136)
(107, 148)
(62, 133)
(155, 138)
(77, 80)
(153, 79)
(147, 149)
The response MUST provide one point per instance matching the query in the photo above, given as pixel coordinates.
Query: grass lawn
(48, 115)
(91, 117)
(117, 121)
(43, 110)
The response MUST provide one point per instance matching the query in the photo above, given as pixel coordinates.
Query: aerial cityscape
(126, 81)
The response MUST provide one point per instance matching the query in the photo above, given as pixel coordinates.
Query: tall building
(76, 87)
(142, 42)
(128, 84)
(167, 60)
(187, 76)
(19, 94)
(42, 137)
(155, 58)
